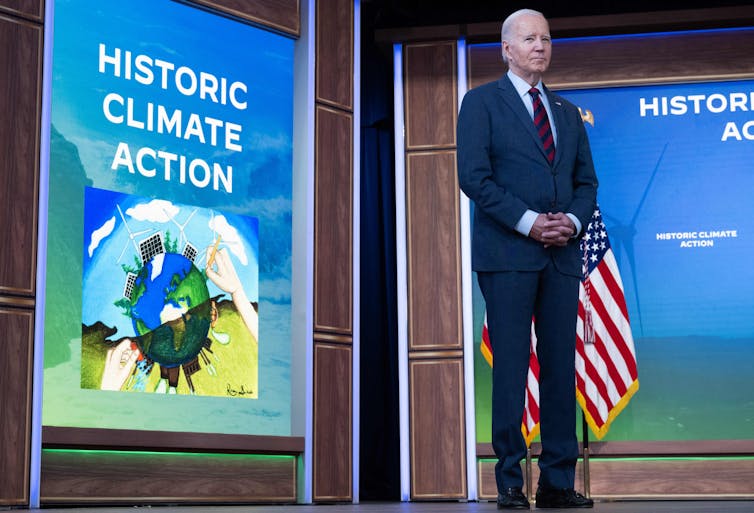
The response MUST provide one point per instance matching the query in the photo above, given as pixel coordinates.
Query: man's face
(529, 48)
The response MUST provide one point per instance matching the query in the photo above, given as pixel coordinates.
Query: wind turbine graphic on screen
(181, 227)
(131, 235)
(622, 236)
(204, 254)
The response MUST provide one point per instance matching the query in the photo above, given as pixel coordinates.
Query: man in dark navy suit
(525, 162)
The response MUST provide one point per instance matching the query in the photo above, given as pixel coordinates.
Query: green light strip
(593, 458)
(171, 453)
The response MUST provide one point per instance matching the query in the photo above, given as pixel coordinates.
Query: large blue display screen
(169, 243)
(675, 169)
(676, 180)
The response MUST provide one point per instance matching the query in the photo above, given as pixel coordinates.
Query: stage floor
(657, 506)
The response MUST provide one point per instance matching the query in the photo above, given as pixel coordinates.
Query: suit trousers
(512, 298)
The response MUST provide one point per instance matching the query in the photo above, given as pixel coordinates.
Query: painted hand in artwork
(119, 365)
(225, 276)
(226, 279)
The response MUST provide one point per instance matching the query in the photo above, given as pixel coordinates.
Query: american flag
(606, 375)
(530, 421)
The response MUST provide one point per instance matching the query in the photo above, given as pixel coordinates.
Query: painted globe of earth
(170, 309)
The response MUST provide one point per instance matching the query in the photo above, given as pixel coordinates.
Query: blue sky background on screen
(701, 184)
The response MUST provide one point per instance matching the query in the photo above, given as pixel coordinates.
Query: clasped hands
(552, 229)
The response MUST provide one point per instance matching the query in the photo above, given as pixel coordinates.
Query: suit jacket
(503, 169)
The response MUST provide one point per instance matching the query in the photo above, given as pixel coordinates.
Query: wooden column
(435, 339)
(21, 42)
(332, 471)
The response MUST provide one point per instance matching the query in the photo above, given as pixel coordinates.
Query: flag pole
(529, 494)
(585, 441)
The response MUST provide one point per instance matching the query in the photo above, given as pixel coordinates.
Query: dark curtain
(379, 448)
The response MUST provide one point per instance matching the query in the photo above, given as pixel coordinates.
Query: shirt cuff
(523, 226)
(576, 223)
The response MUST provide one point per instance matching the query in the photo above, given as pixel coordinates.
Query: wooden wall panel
(435, 332)
(433, 225)
(670, 478)
(332, 472)
(56, 437)
(20, 104)
(430, 95)
(137, 477)
(333, 218)
(666, 478)
(20, 101)
(32, 9)
(585, 26)
(334, 83)
(438, 462)
(332, 456)
(282, 15)
(488, 486)
(685, 56)
(16, 355)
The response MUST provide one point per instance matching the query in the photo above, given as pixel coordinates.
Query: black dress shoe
(561, 498)
(513, 498)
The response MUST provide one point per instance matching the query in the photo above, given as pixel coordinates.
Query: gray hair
(509, 22)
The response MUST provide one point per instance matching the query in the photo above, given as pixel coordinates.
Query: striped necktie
(542, 124)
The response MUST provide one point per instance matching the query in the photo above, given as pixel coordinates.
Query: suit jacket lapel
(511, 97)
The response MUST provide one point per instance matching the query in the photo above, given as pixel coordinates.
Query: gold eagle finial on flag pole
(587, 116)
